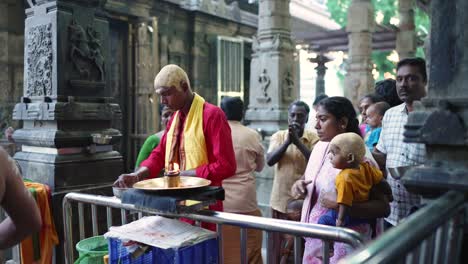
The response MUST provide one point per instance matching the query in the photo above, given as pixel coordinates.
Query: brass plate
(157, 184)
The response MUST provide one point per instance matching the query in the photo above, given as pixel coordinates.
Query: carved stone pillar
(442, 125)
(321, 70)
(144, 104)
(272, 74)
(66, 97)
(11, 59)
(359, 80)
(406, 35)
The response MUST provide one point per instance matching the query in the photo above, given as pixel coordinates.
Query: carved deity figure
(289, 87)
(264, 81)
(79, 48)
(85, 52)
(95, 51)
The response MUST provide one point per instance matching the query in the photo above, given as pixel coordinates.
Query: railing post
(94, 220)
(81, 221)
(325, 251)
(243, 244)
(297, 250)
(109, 217)
(219, 230)
(67, 231)
(269, 241)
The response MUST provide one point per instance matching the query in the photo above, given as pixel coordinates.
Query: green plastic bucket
(92, 250)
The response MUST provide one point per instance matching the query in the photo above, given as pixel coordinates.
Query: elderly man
(197, 137)
(289, 151)
(24, 217)
(391, 151)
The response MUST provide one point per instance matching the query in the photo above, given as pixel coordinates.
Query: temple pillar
(442, 120)
(406, 34)
(66, 96)
(321, 70)
(273, 69)
(359, 80)
(66, 100)
(143, 102)
(11, 60)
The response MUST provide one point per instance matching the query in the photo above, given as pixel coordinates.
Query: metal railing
(326, 233)
(431, 235)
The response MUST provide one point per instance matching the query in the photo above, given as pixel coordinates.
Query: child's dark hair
(374, 98)
(381, 107)
(387, 89)
(341, 107)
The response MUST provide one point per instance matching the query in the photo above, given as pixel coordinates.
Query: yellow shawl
(191, 152)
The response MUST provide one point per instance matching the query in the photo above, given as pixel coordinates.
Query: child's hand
(328, 200)
(339, 222)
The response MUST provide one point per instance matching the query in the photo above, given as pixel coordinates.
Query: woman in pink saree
(335, 115)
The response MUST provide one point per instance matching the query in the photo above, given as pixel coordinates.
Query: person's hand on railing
(299, 188)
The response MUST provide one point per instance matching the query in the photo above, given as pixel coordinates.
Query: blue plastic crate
(205, 252)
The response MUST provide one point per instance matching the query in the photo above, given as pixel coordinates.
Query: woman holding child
(335, 115)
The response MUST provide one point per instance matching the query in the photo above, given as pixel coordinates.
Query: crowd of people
(336, 174)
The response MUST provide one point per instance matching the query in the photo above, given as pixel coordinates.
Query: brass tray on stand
(159, 184)
(193, 195)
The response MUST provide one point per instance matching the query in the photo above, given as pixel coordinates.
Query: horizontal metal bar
(344, 235)
(405, 237)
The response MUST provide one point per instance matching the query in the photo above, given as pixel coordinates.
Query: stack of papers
(160, 232)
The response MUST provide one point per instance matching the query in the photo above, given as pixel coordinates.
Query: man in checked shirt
(391, 151)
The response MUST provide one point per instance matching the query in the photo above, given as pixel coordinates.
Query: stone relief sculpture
(264, 80)
(288, 87)
(255, 44)
(276, 42)
(39, 61)
(85, 52)
(95, 51)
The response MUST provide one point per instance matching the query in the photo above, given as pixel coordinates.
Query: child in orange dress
(354, 182)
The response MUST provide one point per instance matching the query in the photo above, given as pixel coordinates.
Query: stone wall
(188, 38)
(11, 59)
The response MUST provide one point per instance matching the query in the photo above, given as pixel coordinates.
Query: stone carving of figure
(79, 48)
(95, 51)
(288, 87)
(85, 52)
(255, 44)
(276, 42)
(264, 81)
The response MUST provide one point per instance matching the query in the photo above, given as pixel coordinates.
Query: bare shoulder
(3, 155)
(4, 171)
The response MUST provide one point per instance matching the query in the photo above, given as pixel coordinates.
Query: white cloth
(160, 232)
